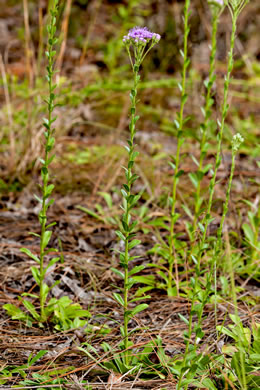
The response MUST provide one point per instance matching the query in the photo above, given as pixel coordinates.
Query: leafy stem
(224, 111)
(49, 144)
(207, 115)
(141, 40)
(179, 124)
(127, 216)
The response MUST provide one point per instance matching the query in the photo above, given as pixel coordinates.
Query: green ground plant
(242, 351)
(251, 231)
(36, 379)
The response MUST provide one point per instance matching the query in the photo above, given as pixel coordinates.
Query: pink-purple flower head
(141, 36)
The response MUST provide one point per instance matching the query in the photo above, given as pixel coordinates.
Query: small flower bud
(156, 37)
(217, 3)
(237, 140)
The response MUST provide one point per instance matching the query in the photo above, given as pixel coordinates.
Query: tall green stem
(207, 115)
(140, 41)
(237, 140)
(49, 143)
(224, 112)
(225, 207)
(127, 215)
(212, 187)
(241, 367)
(256, 225)
(179, 123)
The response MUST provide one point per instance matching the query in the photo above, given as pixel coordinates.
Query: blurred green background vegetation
(94, 78)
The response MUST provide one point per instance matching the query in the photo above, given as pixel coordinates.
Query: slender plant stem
(225, 207)
(180, 122)
(256, 234)
(212, 187)
(140, 47)
(207, 114)
(224, 112)
(234, 298)
(127, 215)
(231, 273)
(49, 142)
(237, 139)
(187, 346)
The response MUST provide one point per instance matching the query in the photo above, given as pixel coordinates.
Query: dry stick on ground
(9, 115)
(31, 70)
(28, 51)
(40, 44)
(92, 23)
(64, 34)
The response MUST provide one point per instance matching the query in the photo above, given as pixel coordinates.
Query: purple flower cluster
(141, 35)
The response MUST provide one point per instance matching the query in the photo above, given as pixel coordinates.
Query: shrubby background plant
(193, 247)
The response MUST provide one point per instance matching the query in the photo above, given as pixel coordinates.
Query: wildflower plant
(138, 42)
(237, 140)
(179, 123)
(64, 314)
(235, 8)
(201, 290)
(239, 358)
(207, 218)
(197, 177)
(169, 250)
(200, 293)
(45, 187)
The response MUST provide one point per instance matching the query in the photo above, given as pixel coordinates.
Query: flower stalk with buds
(237, 140)
(235, 7)
(196, 178)
(138, 43)
(179, 123)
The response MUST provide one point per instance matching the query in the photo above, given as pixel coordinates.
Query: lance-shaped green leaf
(134, 243)
(48, 190)
(30, 307)
(45, 290)
(137, 309)
(15, 312)
(136, 269)
(30, 254)
(119, 299)
(36, 274)
(120, 235)
(51, 263)
(140, 298)
(117, 272)
(46, 238)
